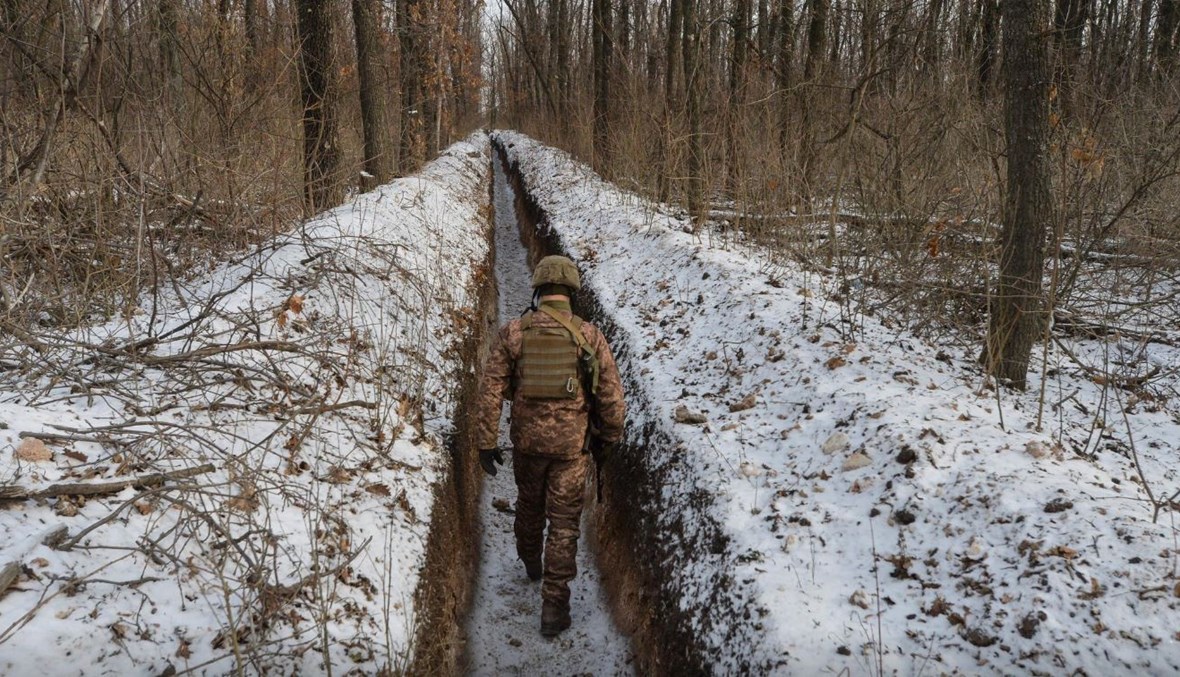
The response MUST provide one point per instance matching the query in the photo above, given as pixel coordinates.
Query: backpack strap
(589, 359)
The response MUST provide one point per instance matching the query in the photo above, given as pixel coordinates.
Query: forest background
(944, 161)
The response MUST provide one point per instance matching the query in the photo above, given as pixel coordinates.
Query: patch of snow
(316, 374)
(957, 551)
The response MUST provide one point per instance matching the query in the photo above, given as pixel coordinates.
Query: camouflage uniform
(548, 437)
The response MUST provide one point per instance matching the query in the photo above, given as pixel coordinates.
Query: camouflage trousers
(550, 488)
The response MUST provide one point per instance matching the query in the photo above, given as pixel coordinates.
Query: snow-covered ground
(882, 509)
(316, 376)
(503, 630)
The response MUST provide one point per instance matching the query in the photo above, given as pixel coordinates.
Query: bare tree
(1018, 312)
(378, 159)
(603, 37)
(694, 86)
(321, 152)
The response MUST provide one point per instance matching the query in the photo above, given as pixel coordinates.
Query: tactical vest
(555, 362)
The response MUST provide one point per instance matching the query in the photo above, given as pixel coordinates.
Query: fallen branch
(8, 576)
(1070, 323)
(13, 492)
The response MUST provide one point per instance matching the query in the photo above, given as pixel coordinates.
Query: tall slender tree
(694, 88)
(379, 160)
(603, 38)
(1018, 312)
(321, 151)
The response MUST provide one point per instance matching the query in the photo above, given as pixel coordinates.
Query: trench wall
(640, 544)
(445, 592)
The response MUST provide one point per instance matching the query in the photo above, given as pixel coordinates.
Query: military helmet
(557, 270)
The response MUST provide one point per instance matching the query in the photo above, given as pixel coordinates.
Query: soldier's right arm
(493, 388)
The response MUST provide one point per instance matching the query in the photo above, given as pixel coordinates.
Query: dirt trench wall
(444, 594)
(636, 551)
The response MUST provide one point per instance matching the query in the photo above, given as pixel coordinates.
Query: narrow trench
(503, 628)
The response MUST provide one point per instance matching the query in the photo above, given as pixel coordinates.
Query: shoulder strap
(575, 330)
(527, 320)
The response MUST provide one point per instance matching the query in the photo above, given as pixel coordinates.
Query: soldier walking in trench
(560, 376)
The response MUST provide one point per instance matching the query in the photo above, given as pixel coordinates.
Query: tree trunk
(1144, 39)
(1165, 35)
(378, 160)
(737, 83)
(410, 73)
(786, 59)
(986, 57)
(692, 83)
(817, 36)
(321, 154)
(1069, 24)
(603, 51)
(169, 63)
(250, 10)
(1018, 313)
(672, 49)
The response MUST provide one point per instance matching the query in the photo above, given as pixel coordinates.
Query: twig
(12, 492)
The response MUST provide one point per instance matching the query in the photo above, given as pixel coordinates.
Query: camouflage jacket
(554, 428)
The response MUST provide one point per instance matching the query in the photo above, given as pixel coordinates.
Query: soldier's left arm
(493, 388)
(611, 408)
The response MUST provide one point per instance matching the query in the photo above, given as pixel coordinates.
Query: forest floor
(308, 387)
(503, 629)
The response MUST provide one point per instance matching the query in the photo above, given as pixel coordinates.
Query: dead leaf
(378, 489)
(76, 455)
(1064, 552)
(835, 362)
(32, 449)
(743, 404)
(295, 303)
(683, 414)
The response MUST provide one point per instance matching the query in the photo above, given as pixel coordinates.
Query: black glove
(602, 451)
(488, 458)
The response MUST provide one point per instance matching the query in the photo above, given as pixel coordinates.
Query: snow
(503, 631)
(316, 374)
(969, 543)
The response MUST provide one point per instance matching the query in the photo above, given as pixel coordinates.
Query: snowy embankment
(805, 502)
(304, 394)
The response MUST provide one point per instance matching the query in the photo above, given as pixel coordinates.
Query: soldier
(559, 374)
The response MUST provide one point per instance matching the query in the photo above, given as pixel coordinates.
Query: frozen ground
(311, 383)
(880, 508)
(503, 631)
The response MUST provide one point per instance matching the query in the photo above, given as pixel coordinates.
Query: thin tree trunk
(603, 52)
(321, 153)
(378, 160)
(250, 10)
(986, 58)
(786, 59)
(691, 45)
(817, 37)
(1069, 24)
(737, 84)
(1018, 313)
(410, 73)
(1165, 35)
(672, 49)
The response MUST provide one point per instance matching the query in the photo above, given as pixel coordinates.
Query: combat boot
(554, 618)
(533, 569)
